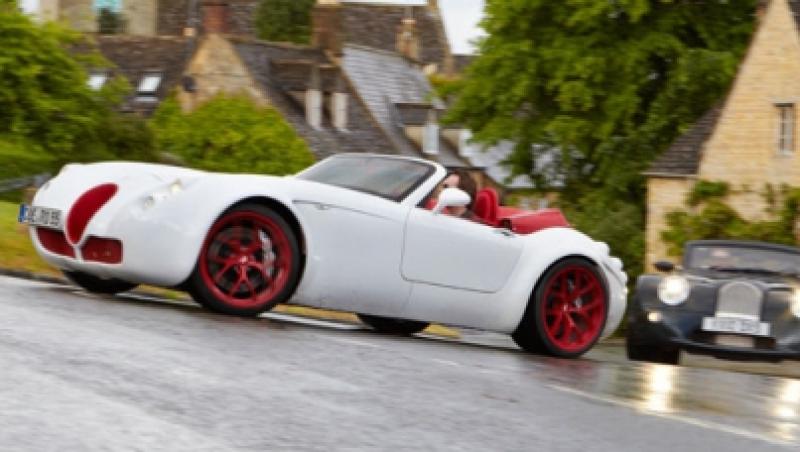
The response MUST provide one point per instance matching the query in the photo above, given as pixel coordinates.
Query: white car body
(363, 253)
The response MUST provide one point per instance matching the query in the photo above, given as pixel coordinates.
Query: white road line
(678, 418)
(308, 321)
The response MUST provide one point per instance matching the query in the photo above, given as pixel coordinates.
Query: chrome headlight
(674, 290)
(160, 195)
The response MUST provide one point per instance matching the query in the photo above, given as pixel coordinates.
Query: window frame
(786, 139)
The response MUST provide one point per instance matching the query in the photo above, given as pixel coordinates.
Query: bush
(230, 134)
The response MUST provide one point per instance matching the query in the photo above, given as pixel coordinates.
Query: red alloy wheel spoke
(250, 286)
(262, 269)
(241, 279)
(579, 289)
(219, 276)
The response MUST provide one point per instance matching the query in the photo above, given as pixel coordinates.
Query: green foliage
(606, 85)
(44, 98)
(717, 220)
(21, 159)
(230, 134)
(284, 20)
(705, 190)
(615, 222)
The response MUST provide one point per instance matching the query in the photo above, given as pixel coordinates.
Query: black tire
(388, 325)
(94, 284)
(271, 272)
(531, 334)
(651, 352)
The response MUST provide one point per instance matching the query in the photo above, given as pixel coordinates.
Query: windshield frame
(754, 246)
(407, 196)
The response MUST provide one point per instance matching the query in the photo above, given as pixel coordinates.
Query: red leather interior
(487, 207)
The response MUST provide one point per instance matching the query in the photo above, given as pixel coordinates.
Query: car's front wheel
(94, 284)
(249, 262)
(387, 325)
(567, 312)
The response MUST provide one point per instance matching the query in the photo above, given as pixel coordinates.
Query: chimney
(430, 138)
(326, 26)
(408, 42)
(339, 101)
(215, 16)
(761, 9)
(314, 99)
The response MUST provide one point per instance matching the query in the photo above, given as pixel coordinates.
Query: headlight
(795, 306)
(673, 290)
(156, 197)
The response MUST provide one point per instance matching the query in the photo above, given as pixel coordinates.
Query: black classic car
(730, 299)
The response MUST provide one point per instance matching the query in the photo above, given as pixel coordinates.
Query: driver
(460, 178)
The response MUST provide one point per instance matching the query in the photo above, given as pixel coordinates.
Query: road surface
(82, 372)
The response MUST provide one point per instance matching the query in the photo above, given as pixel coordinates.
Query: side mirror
(664, 266)
(451, 197)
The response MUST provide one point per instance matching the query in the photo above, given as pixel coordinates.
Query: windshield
(388, 178)
(742, 258)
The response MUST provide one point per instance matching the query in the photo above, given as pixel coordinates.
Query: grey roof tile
(682, 158)
(383, 79)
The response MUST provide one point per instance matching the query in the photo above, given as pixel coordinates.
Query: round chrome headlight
(673, 290)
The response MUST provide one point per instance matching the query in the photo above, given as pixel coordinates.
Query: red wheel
(568, 311)
(249, 262)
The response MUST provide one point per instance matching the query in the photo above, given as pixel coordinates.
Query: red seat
(486, 206)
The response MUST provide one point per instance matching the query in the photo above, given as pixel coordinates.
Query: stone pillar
(408, 40)
(314, 99)
(430, 138)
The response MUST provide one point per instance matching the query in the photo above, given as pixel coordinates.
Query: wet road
(79, 372)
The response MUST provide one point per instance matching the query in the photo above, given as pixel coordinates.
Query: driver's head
(459, 178)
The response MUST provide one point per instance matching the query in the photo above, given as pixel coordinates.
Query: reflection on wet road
(101, 373)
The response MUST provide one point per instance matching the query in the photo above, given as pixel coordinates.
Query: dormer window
(786, 128)
(97, 80)
(148, 87)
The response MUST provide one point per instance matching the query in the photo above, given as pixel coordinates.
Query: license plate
(734, 325)
(40, 216)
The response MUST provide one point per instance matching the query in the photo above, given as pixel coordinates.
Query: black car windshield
(742, 258)
(389, 178)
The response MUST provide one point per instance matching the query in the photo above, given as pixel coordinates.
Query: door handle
(322, 206)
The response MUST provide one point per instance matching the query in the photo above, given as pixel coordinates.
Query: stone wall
(664, 195)
(743, 150)
(216, 67)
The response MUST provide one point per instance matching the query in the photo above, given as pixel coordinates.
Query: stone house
(748, 140)
(360, 86)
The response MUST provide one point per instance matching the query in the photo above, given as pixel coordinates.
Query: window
(97, 80)
(786, 118)
(148, 87)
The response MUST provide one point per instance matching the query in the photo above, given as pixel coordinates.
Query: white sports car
(349, 233)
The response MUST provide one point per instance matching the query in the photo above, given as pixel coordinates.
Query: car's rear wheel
(567, 312)
(249, 262)
(94, 284)
(388, 325)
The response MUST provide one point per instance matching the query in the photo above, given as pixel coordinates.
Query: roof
(682, 158)
(384, 79)
(268, 63)
(135, 56)
(376, 26)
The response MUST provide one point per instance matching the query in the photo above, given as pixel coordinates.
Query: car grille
(739, 299)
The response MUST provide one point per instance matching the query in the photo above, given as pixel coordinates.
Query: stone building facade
(749, 140)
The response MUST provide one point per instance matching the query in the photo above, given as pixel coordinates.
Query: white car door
(453, 252)
(354, 255)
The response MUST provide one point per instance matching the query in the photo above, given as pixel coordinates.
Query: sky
(461, 19)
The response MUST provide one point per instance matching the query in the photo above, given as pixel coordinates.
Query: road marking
(673, 417)
(355, 342)
(308, 321)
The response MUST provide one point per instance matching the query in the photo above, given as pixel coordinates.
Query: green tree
(44, 98)
(605, 85)
(230, 134)
(284, 20)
